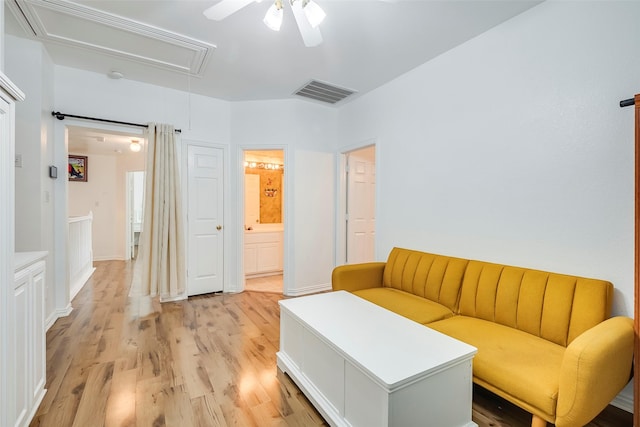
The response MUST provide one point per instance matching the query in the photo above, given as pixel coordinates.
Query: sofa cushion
(553, 306)
(418, 309)
(518, 365)
(435, 277)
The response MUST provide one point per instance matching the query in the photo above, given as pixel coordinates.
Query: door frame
(182, 161)
(287, 267)
(60, 276)
(341, 202)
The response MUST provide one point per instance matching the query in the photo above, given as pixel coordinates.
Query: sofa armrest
(595, 368)
(354, 277)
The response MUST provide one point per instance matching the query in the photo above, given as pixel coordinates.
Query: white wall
(95, 95)
(512, 148)
(297, 126)
(29, 65)
(104, 194)
(200, 118)
(28, 116)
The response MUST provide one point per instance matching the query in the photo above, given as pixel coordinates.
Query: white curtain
(161, 264)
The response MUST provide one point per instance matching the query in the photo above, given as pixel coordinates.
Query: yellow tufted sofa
(545, 341)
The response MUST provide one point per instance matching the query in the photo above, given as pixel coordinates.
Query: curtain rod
(627, 102)
(61, 116)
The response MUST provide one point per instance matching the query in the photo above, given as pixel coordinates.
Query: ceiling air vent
(324, 92)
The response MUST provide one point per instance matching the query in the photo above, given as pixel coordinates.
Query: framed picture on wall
(77, 168)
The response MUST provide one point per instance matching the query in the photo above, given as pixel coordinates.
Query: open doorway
(134, 192)
(263, 220)
(108, 192)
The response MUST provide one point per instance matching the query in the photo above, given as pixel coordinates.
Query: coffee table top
(392, 349)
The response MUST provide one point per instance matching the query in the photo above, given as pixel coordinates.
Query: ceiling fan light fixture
(314, 13)
(135, 146)
(274, 16)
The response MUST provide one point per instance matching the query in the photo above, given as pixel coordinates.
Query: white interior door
(361, 221)
(205, 220)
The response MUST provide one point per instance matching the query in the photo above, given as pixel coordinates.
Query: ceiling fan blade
(311, 36)
(221, 10)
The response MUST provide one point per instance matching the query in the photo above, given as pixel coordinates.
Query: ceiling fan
(307, 13)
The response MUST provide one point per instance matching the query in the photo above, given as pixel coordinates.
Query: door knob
(219, 228)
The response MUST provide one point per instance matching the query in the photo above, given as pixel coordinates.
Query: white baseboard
(50, 320)
(64, 312)
(109, 258)
(308, 290)
(173, 299)
(77, 284)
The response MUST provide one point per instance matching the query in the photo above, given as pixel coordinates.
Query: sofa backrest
(435, 277)
(552, 306)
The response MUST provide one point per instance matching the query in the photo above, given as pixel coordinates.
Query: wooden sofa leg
(536, 421)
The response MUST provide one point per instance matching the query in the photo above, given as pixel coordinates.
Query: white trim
(323, 287)
(193, 59)
(79, 283)
(180, 297)
(110, 258)
(10, 88)
(57, 314)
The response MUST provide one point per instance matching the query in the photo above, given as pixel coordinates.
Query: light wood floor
(264, 284)
(208, 361)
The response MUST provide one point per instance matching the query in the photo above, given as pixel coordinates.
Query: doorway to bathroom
(264, 220)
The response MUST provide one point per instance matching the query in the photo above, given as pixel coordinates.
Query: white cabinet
(263, 253)
(29, 337)
(361, 365)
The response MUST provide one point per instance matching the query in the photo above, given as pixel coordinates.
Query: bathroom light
(273, 18)
(135, 146)
(314, 13)
(262, 165)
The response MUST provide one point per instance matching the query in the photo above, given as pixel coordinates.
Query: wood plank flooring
(120, 361)
(264, 284)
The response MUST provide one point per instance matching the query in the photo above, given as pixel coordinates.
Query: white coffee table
(362, 365)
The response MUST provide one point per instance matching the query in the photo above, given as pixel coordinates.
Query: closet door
(205, 219)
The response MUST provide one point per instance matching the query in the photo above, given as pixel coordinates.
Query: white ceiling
(170, 42)
(84, 140)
